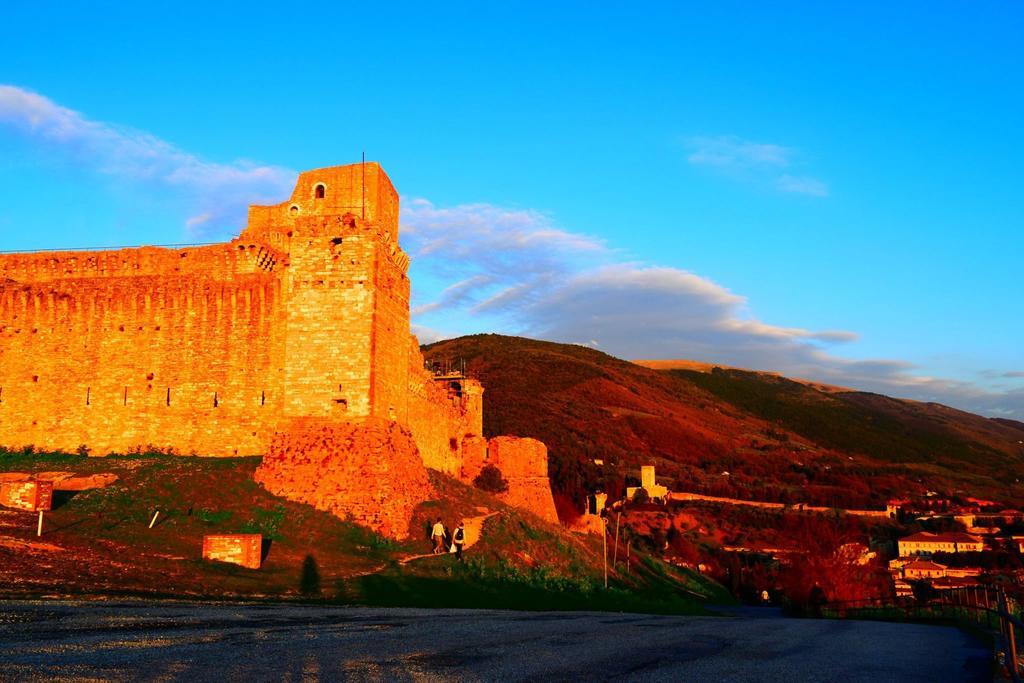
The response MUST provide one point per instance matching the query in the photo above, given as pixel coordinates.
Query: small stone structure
(591, 521)
(27, 495)
(367, 470)
(648, 484)
(241, 549)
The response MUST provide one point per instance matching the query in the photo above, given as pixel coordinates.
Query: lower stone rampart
(523, 464)
(368, 470)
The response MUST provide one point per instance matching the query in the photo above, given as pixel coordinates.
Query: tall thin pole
(363, 165)
(604, 547)
(615, 553)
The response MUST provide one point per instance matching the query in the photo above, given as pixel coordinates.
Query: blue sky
(830, 191)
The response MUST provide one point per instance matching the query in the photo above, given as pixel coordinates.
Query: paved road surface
(182, 642)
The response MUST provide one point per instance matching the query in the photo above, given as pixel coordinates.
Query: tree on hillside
(831, 561)
(491, 480)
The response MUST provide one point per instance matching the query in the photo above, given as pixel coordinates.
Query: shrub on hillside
(491, 480)
(640, 496)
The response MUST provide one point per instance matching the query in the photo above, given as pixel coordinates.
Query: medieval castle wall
(114, 362)
(211, 349)
(214, 350)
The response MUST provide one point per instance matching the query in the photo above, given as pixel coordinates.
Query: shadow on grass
(62, 498)
(69, 525)
(265, 549)
(396, 590)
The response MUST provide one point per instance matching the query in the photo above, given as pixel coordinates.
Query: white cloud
(757, 162)
(731, 152)
(802, 185)
(214, 196)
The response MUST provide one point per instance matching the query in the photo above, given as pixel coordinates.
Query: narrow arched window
(320, 191)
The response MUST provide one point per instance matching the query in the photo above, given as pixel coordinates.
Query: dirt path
(474, 529)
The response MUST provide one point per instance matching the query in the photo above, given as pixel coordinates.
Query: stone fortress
(291, 341)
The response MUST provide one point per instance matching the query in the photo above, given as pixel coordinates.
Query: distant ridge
(698, 366)
(731, 432)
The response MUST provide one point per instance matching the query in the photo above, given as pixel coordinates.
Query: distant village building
(923, 569)
(1018, 541)
(938, 576)
(926, 543)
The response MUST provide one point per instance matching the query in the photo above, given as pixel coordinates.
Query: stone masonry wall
(524, 464)
(442, 415)
(368, 470)
(207, 349)
(118, 362)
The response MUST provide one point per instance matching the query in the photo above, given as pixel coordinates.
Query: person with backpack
(458, 540)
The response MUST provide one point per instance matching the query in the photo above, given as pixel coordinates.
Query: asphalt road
(181, 642)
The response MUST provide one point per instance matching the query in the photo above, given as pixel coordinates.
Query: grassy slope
(776, 437)
(98, 542)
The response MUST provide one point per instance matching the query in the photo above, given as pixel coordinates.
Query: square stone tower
(346, 316)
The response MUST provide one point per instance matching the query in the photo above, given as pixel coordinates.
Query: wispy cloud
(802, 185)
(214, 195)
(730, 152)
(758, 162)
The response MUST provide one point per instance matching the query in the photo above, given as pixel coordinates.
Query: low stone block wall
(245, 550)
(27, 495)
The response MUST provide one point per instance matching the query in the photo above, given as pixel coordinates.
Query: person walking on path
(459, 539)
(437, 536)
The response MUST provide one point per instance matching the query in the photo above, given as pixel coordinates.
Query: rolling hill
(731, 432)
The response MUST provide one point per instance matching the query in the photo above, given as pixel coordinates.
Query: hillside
(731, 432)
(99, 542)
